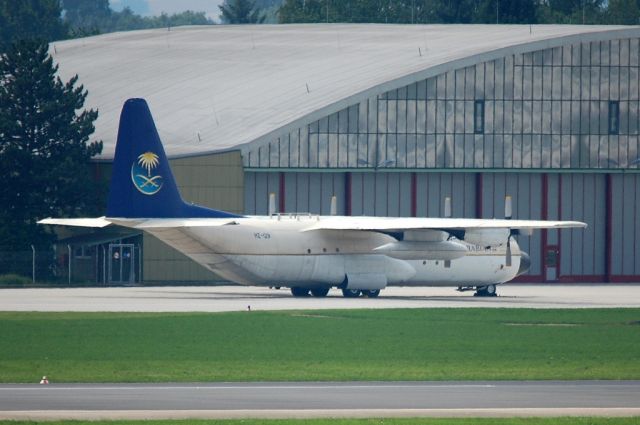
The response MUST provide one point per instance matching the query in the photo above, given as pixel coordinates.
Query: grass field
(386, 421)
(416, 344)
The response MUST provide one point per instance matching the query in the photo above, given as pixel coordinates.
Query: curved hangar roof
(216, 88)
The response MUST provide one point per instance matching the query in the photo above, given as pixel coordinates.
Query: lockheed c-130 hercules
(309, 254)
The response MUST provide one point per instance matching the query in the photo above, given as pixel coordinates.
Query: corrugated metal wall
(625, 226)
(303, 192)
(433, 188)
(582, 197)
(381, 194)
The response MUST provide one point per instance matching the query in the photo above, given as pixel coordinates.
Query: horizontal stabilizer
(78, 222)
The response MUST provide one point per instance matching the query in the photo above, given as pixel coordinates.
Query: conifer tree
(240, 12)
(44, 149)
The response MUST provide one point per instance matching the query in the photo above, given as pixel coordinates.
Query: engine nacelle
(421, 250)
(487, 237)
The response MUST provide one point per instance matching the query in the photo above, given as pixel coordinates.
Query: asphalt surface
(236, 298)
(332, 399)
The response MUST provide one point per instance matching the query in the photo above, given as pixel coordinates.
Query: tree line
(624, 12)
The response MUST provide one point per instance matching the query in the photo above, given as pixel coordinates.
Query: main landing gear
(297, 291)
(486, 291)
(355, 293)
(322, 292)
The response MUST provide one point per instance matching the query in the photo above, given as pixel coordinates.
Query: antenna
(508, 207)
(447, 207)
(334, 205)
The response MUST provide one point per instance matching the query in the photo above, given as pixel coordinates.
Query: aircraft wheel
(351, 293)
(372, 293)
(319, 292)
(296, 291)
(486, 291)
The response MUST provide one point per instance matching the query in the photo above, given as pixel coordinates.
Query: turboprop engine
(424, 245)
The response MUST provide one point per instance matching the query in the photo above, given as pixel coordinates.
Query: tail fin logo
(142, 174)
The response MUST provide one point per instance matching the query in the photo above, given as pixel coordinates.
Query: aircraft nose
(525, 263)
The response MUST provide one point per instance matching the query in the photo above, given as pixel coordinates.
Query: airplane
(310, 254)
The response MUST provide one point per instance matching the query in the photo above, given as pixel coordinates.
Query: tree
(240, 12)
(623, 12)
(44, 149)
(30, 19)
(86, 16)
(507, 12)
(571, 11)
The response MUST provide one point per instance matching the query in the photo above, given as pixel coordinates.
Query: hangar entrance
(122, 261)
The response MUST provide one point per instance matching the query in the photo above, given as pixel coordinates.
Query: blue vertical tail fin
(142, 184)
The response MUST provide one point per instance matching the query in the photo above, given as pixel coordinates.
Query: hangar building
(391, 119)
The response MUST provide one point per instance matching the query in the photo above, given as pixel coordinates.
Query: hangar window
(478, 117)
(614, 117)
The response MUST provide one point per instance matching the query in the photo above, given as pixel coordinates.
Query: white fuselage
(281, 251)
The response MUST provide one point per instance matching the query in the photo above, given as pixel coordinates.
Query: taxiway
(237, 298)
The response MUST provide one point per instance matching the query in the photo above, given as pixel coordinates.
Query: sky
(156, 7)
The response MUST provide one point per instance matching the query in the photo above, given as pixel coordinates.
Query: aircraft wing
(399, 224)
(170, 223)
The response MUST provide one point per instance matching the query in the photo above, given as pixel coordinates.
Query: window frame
(478, 116)
(614, 117)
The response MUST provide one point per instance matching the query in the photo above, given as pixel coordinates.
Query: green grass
(386, 421)
(416, 344)
(14, 280)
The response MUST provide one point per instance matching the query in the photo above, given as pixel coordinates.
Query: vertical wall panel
(433, 188)
(302, 191)
(583, 251)
(626, 205)
(250, 193)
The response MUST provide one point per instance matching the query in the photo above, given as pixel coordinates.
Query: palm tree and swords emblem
(141, 169)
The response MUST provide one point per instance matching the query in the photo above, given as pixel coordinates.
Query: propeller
(334, 205)
(508, 211)
(447, 207)
(272, 204)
